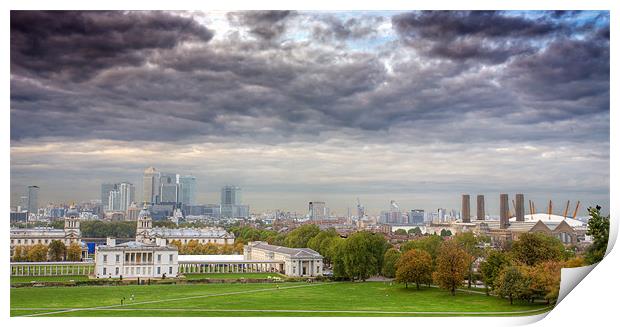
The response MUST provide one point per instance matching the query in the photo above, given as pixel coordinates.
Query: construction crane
(576, 209)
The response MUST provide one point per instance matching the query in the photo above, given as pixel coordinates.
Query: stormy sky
(417, 107)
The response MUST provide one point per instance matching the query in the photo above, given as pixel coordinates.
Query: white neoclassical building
(297, 262)
(136, 260)
(45, 235)
(146, 233)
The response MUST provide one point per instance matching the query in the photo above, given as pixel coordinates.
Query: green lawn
(285, 299)
(232, 276)
(28, 279)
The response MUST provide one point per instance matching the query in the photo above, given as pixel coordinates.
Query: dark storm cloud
(265, 24)
(76, 45)
(307, 90)
(487, 36)
(570, 78)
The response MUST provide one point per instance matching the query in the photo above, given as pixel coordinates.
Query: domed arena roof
(551, 218)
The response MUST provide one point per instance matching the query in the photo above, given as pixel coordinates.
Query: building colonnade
(228, 267)
(51, 268)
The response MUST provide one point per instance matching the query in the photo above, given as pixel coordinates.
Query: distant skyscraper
(360, 209)
(395, 216)
(23, 203)
(441, 215)
(187, 186)
(169, 189)
(126, 195)
(114, 200)
(520, 207)
(416, 217)
(480, 213)
(316, 210)
(151, 187)
(230, 204)
(504, 211)
(33, 199)
(466, 218)
(106, 188)
(230, 195)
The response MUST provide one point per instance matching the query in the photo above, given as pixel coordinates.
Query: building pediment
(540, 227)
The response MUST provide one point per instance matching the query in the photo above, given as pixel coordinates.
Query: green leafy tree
(74, 252)
(494, 263)
(414, 266)
(451, 266)
(378, 246)
(299, 237)
(512, 283)
(429, 243)
(445, 232)
(37, 253)
(20, 253)
(598, 228)
(102, 229)
(276, 239)
(415, 231)
(57, 224)
(389, 263)
(247, 234)
(57, 250)
(532, 248)
(545, 280)
(322, 243)
(337, 253)
(360, 255)
(470, 243)
(164, 223)
(400, 231)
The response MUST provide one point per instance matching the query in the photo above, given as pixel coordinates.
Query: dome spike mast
(576, 210)
(566, 210)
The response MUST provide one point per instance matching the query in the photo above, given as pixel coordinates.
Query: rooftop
(190, 232)
(134, 245)
(293, 252)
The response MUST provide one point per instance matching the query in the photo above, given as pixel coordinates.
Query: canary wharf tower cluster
(313, 115)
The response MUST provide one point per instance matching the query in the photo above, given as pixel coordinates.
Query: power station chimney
(465, 209)
(520, 208)
(503, 211)
(480, 207)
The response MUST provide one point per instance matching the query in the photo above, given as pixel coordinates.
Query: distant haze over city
(416, 107)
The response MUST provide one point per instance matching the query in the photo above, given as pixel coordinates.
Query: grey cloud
(331, 27)
(78, 44)
(300, 91)
(485, 36)
(265, 24)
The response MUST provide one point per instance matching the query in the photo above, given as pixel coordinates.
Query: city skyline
(416, 107)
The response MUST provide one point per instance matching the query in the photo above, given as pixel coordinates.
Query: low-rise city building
(147, 234)
(45, 235)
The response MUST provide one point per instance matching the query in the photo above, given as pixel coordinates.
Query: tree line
(55, 251)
